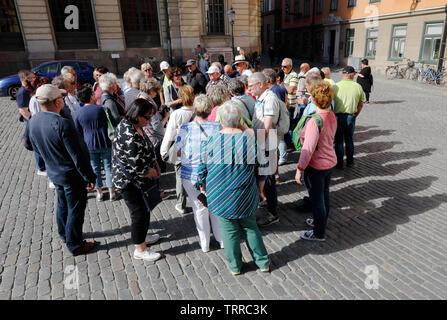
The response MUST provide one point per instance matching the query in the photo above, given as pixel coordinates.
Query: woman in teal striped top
(228, 172)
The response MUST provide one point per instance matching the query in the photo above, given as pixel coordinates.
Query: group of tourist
(225, 130)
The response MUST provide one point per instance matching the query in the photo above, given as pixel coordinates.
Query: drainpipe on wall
(168, 33)
(443, 42)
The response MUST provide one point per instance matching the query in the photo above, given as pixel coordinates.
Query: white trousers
(203, 218)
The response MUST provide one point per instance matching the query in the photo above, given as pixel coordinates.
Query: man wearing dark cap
(195, 78)
(66, 157)
(349, 97)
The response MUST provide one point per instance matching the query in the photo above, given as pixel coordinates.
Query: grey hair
(59, 82)
(244, 79)
(203, 105)
(270, 75)
(67, 69)
(146, 85)
(106, 81)
(218, 94)
(236, 87)
(217, 64)
(288, 61)
(230, 114)
(313, 77)
(257, 77)
(135, 76)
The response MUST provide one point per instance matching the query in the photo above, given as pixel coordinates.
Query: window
(270, 2)
(262, 6)
(397, 48)
(296, 9)
(334, 5)
(349, 48)
(371, 42)
(319, 7)
(82, 36)
(374, 1)
(286, 10)
(352, 3)
(49, 68)
(72, 64)
(431, 42)
(9, 27)
(306, 9)
(140, 22)
(215, 16)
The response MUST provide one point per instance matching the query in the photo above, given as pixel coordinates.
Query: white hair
(135, 76)
(217, 64)
(107, 80)
(257, 77)
(230, 114)
(288, 61)
(66, 69)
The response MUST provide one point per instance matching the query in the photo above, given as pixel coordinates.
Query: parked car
(10, 85)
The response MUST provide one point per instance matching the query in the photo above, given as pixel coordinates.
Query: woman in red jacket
(317, 159)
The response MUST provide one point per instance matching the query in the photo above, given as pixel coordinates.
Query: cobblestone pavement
(387, 212)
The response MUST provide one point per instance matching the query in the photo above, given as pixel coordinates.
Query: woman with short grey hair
(115, 109)
(232, 191)
(237, 90)
(218, 95)
(192, 136)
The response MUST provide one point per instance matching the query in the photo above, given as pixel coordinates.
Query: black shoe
(339, 166)
(304, 207)
(267, 220)
(350, 164)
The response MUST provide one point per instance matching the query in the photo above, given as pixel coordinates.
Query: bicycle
(398, 70)
(416, 73)
(436, 77)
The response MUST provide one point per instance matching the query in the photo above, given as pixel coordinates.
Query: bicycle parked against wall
(399, 70)
(429, 75)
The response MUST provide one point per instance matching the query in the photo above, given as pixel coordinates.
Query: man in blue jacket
(67, 162)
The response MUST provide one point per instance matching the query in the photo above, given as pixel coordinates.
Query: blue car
(10, 85)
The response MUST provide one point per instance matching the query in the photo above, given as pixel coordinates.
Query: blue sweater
(56, 140)
(91, 122)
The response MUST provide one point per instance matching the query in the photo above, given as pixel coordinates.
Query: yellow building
(384, 31)
(33, 31)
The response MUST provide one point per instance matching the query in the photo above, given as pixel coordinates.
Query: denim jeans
(95, 160)
(39, 162)
(71, 204)
(345, 135)
(317, 182)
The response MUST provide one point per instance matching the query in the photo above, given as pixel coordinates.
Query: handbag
(150, 191)
(171, 156)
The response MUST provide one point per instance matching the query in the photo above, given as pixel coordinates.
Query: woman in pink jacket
(317, 159)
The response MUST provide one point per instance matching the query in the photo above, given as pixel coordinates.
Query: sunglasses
(147, 70)
(147, 117)
(282, 67)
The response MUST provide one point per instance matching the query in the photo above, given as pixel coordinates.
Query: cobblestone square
(388, 214)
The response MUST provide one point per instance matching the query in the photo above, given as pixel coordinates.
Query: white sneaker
(41, 173)
(51, 185)
(99, 196)
(179, 209)
(221, 245)
(146, 255)
(112, 196)
(206, 249)
(152, 238)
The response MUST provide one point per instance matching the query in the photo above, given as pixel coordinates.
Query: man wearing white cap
(165, 82)
(214, 74)
(241, 65)
(67, 162)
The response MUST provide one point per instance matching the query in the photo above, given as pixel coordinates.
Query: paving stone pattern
(387, 212)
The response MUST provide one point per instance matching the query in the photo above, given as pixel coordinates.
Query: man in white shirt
(265, 119)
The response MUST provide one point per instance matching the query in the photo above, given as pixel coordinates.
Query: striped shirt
(291, 79)
(228, 163)
(189, 142)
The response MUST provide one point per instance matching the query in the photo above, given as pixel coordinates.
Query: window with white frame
(398, 38)
(371, 42)
(349, 48)
(431, 42)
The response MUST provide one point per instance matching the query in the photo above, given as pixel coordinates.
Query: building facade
(271, 12)
(34, 31)
(344, 31)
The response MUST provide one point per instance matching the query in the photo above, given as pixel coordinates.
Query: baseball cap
(164, 65)
(348, 69)
(213, 69)
(190, 62)
(48, 93)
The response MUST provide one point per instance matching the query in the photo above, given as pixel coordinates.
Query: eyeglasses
(252, 85)
(282, 67)
(147, 117)
(147, 70)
